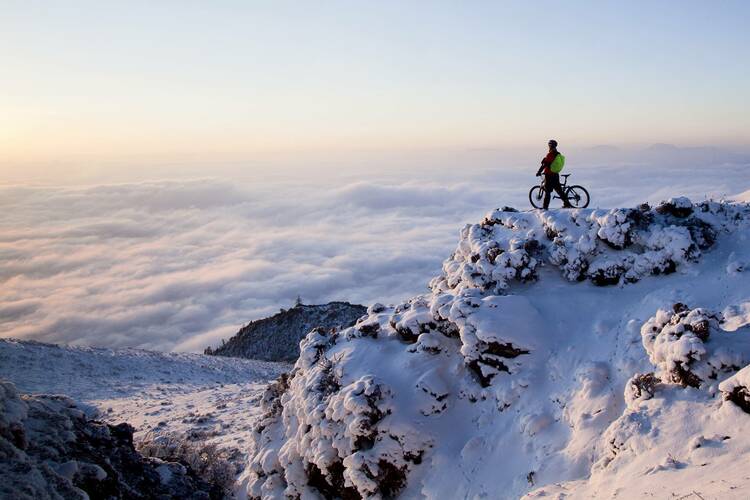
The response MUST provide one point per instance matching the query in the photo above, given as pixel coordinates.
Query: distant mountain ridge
(277, 338)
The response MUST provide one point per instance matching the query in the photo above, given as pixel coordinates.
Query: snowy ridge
(507, 245)
(667, 428)
(50, 449)
(277, 338)
(162, 395)
(492, 384)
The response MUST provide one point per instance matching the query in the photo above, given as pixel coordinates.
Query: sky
(146, 82)
(172, 170)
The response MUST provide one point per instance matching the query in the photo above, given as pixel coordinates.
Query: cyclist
(551, 178)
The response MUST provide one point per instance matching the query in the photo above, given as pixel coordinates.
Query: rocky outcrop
(478, 358)
(689, 348)
(344, 446)
(50, 450)
(606, 247)
(277, 338)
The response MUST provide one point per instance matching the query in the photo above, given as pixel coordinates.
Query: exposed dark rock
(677, 207)
(643, 386)
(689, 347)
(491, 354)
(277, 338)
(50, 449)
(741, 397)
(331, 485)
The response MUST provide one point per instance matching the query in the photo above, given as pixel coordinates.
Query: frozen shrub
(616, 227)
(336, 430)
(270, 402)
(412, 318)
(377, 307)
(603, 273)
(640, 387)
(736, 389)
(482, 262)
(688, 347)
(216, 466)
(678, 207)
(420, 316)
(702, 233)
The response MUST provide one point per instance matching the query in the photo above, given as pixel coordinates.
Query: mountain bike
(577, 195)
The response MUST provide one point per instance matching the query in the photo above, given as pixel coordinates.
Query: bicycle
(577, 195)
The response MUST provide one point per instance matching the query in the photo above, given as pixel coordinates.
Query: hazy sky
(189, 79)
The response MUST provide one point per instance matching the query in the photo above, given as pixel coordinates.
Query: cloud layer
(180, 264)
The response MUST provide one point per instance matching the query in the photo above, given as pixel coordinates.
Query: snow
(554, 356)
(210, 398)
(743, 197)
(564, 354)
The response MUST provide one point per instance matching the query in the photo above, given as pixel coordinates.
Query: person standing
(551, 166)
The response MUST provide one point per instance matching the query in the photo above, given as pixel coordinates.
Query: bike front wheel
(578, 197)
(536, 197)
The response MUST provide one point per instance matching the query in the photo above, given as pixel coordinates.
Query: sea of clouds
(179, 263)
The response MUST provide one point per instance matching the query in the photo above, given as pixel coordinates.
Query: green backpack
(557, 164)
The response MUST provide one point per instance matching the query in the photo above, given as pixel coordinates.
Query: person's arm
(545, 163)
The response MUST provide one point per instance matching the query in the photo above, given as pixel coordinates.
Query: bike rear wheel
(536, 197)
(578, 197)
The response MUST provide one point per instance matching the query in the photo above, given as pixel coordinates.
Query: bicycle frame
(577, 195)
(563, 185)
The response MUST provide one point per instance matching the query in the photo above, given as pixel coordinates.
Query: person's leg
(548, 185)
(561, 194)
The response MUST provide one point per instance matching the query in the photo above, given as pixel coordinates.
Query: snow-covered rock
(689, 348)
(49, 449)
(519, 368)
(737, 389)
(604, 246)
(168, 398)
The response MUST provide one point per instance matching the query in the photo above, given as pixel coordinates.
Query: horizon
(246, 80)
(523, 320)
(171, 171)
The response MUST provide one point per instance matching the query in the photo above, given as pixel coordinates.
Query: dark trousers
(552, 181)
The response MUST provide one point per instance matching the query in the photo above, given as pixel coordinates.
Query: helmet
(552, 143)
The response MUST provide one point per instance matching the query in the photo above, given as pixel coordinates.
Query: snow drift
(532, 361)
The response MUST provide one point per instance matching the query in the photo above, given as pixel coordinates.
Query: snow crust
(550, 351)
(207, 399)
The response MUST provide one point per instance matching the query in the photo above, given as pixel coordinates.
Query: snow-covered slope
(277, 338)
(49, 449)
(556, 348)
(211, 399)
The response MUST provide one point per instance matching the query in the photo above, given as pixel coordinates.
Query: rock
(277, 338)
(688, 346)
(49, 449)
(607, 247)
(640, 387)
(678, 207)
(736, 389)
